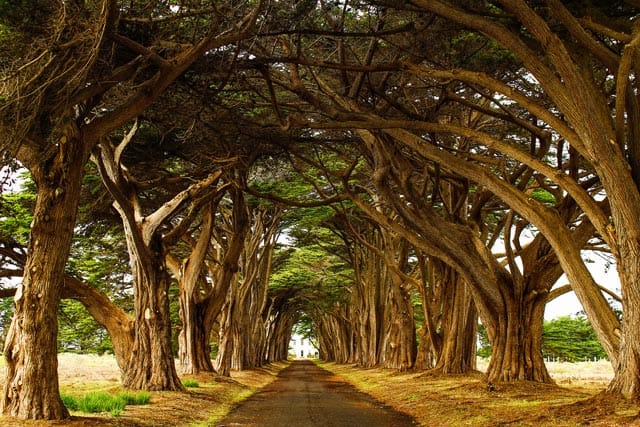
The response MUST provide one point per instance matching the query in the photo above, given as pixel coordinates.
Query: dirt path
(306, 395)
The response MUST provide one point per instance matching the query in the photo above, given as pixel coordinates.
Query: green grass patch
(100, 401)
(190, 383)
(71, 402)
(141, 398)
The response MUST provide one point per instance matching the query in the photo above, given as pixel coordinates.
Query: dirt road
(306, 395)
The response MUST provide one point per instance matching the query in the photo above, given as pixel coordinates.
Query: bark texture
(31, 385)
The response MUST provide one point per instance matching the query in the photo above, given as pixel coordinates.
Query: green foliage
(79, 332)
(100, 401)
(6, 314)
(190, 383)
(71, 402)
(97, 257)
(16, 216)
(543, 196)
(572, 339)
(484, 347)
(141, 398)
(568, 338)
(479, 53)
(305, 328)
(174, 315)
(15, 220)
(320, 274)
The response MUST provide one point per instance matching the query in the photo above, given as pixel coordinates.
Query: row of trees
(419, 136)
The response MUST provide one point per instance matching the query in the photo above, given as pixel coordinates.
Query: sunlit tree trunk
(194, 350)
(458, 322)
(279, 325)
(151, 365)
(367, 322)
(244, 324)
(626, 217)
(117, 323)
(337, 343)
(400, 344)
(213, 305)
(193, 339)
(30, 351)
(226, 342)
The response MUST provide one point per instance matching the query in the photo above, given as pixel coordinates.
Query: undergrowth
(100, 401)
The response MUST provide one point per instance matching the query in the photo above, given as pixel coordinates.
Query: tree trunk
(517, 345)
(151, 365)
(400, 348)
(448, 336)
(225, 342)
(627, 370)
(459, 328)
(194, 350)
(31, 383)
(280, 336)
(425, 358)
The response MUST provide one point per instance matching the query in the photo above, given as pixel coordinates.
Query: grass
(524, 403)
(431, 399)
(213, 399)
(100, 401)
(463, 400)
(190, 383)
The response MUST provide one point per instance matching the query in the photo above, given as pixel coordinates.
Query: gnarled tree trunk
(399, 338)
(193, 340)
(244, 323)
(151, 365)
(194, 349)
(458, 323)
(31, 383)
(400, 348)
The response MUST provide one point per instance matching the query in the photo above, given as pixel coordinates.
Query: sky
(568, 304)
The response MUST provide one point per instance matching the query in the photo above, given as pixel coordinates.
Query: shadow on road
(306, 395)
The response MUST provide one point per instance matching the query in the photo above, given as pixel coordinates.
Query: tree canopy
(205, 176)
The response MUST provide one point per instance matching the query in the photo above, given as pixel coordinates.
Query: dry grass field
(432, 400)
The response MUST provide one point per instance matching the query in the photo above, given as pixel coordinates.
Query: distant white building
(302, 347)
